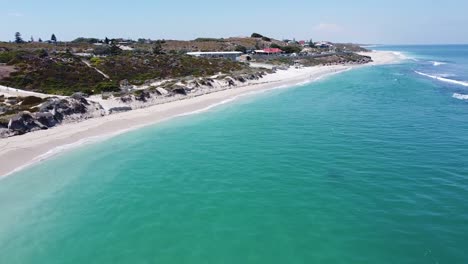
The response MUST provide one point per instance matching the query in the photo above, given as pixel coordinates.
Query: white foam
(446, 75)
(442, 79)
(370, 46)
(402, 56)
(437, 63)
(460, 96)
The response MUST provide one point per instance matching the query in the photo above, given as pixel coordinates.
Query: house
(302, 42)
(124, 47)
(323, 44)
(232, 55)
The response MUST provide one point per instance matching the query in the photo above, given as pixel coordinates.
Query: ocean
(368, 166)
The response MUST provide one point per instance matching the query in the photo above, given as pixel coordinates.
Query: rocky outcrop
(46, 113)
(46, 119)
(23, 123)
(180, 90)
(230, 81)
(119, 109)
(51, 113)
(162, 91)
(142, 95)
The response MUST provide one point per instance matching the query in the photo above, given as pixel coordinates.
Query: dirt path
(100, 72)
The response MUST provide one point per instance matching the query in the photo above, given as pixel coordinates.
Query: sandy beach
(21, 151)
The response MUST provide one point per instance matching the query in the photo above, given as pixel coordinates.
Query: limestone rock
(119, 109)
(24, 122)
(162, 91)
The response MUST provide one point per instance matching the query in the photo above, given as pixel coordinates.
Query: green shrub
(95, 61)
(241, 48)
(6, 56)
(31, 100)
(275, 46)
(291, 49)
(107, 87)
(209, 40)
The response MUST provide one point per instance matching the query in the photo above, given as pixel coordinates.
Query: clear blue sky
(363, 21)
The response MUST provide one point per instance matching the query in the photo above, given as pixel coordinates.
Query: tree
(256, 35)
(85, 40)
(32, 39)
(106, 40)
(40, 40)
(311, 43)
(157, 47)
(291, 49)
(18, 38)
(53, 38)
(114, 49)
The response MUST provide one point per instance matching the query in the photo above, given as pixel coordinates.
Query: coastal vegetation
(72, 79)
(65, 73)
(93, 66)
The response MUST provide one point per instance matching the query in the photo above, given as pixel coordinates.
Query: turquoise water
(365, 167)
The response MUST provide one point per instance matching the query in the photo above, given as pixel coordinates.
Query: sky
(358, 21)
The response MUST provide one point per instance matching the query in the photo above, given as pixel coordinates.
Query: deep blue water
(449, 63)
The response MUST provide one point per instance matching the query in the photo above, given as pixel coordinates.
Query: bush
(209, 40)
(291, 49)
(85, 40)
(43, 53)
(241, 48)
(6, 56)
(107, 87)
(275, 46)
(256, 35)
(102, 50)
(31, 100)
(95, 61)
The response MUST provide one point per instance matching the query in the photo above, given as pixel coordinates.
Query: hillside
(65, 73)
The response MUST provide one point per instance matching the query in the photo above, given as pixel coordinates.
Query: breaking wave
(460, 96)
(442, 79)
(437, 63)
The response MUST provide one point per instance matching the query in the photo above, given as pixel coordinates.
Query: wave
(442, 79)
(437, 63)
(460, 96)
(446, 75)
(404, 56)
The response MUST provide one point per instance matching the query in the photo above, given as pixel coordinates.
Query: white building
(323, 44)
(232, 55)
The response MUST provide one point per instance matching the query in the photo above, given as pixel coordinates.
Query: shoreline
(20, 152)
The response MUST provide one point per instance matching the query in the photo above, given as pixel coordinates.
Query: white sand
(21, 151)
